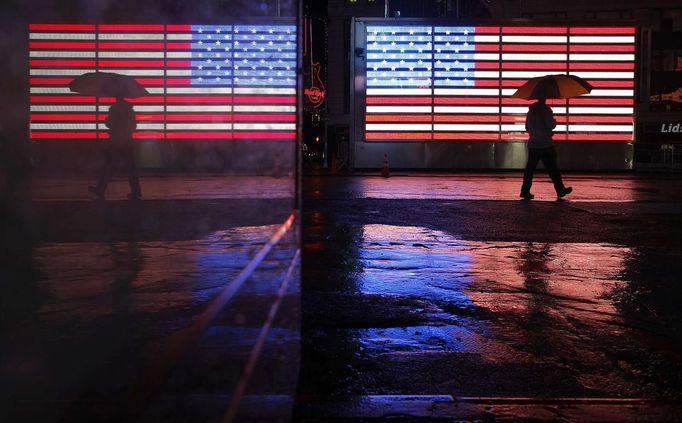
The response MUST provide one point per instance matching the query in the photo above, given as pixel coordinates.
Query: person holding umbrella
(121, 123)
(540, 124)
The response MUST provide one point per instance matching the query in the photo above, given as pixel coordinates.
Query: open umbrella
(107, 84)
(553, 86)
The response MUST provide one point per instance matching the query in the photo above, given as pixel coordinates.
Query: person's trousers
(548, 157)
(126, 157)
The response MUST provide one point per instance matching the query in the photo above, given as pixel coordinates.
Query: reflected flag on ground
(200, 87)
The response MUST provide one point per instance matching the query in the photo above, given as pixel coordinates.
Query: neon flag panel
(205, 81)
(454, 83)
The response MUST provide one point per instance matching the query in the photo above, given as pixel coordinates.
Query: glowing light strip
(603, 57)
(604, 75)
(398, 127)
(58, 36)
(602, 39)
(115, 36)
(61, 108)
(534, 39)
(62, 54)
(62, 126)
(198, 126)
(265, 108)
(467, 91)
(131, 54)
(399, 109)
(466, 127)
(265, 126)
(202, 108)
(398, 91)
(535, 56)
(465, 109)
(198, 90)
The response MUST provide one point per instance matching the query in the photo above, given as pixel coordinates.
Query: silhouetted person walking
(539, 124)
(120, 149)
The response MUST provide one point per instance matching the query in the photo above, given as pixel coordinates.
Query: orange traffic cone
(333, 165)
(385, 172)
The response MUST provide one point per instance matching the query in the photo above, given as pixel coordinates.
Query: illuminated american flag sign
(205, 81)
(454, 83)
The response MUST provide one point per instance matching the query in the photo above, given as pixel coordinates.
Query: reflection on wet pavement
(445, 315)
(101, 313)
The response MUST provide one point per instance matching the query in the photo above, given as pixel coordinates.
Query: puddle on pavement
(552, 312)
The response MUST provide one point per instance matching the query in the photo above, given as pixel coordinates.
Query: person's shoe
(99, 194)
(564, 192)
(527, 196)
(134, 196)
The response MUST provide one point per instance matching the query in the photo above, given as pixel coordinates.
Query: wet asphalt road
(458, 288)
(94, 293)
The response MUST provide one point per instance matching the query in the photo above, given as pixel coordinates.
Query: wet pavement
(96, 294)
(445, 297)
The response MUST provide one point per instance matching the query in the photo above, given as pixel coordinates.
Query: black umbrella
(107, 84)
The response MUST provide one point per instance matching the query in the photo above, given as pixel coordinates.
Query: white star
(209, 36)
(236, 42)
(201, 30)
(201, 67)
(217, 43)
(200, 42)
(253, 30)
(208, 49)
(217, 31)
(236, 31)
